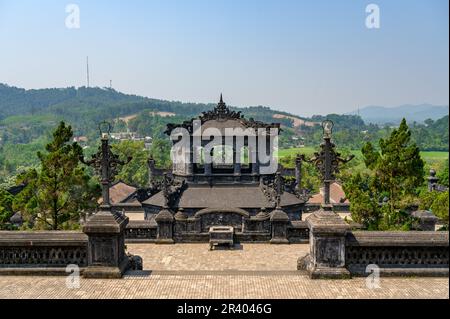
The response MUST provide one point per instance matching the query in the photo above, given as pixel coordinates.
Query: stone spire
(221, 108)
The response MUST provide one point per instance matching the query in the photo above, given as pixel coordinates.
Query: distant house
(148, 142)
(127, 136)
(82, 140)
(337, 195)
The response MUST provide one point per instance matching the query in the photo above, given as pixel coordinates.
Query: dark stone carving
(39, 252)
(140, 231)
(222, 217)
(433, 184)
(172, 190)
(106, 244)
(221, 112)
(105, 163)
(327, 246)
(165, 221)
(396, 256)
(298, 232)
(398, 253)
(426, 220)
(273, 186)
(43, 256)
(327, 160)
(136, 262)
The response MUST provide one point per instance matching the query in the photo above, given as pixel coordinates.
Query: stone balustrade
(398, 253)
(146, 232)
(141, 232)
(41, 252)
(338, 252)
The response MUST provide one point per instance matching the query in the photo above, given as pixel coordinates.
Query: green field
(434, 156)
(433, 159)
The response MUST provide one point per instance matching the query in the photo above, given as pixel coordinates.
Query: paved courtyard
(191, 271)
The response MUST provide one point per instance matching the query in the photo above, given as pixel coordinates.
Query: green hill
(28, 116)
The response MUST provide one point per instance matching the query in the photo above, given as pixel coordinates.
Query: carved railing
(140, 231)
(398, 253)
(337, 207)
(42, 250)
(298, 232)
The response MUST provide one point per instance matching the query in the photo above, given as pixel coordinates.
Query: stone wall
(41, 252)
(141, 231)
(298, 232)
(146, 232)
(337, 207)
(398, 253)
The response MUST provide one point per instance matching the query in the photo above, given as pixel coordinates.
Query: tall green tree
(440, 207)
(362, 192)
(6, 208)
(160, 151)
(136, 171)
(443, 175)
(397, 166)
(56, 195)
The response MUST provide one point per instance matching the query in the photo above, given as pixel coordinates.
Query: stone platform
(192, 271)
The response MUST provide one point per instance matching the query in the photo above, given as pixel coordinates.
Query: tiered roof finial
(221, 107)
(221, 112)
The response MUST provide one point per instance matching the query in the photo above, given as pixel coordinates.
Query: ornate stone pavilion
(225, 192)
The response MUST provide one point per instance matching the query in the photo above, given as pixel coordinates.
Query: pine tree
(398, 167)
(6, 208)
(56, 196)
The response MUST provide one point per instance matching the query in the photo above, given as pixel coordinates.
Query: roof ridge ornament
(222, 108)
(222, 112)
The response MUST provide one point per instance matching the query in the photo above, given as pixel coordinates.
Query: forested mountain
(394, 115)
(28, 116)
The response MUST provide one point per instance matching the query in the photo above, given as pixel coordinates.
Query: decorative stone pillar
(236, 159)
(106, 245)
(432, 180)
(279, 221)
(180, 220)
(165, 221)
(151, 169)
(106, 229)
(298, 172)
(254, 160)
(327, 245)
(327, 231)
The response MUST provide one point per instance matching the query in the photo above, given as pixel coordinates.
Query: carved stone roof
(243, 196)
(222, 113)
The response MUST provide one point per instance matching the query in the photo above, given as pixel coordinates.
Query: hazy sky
(305, 57)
